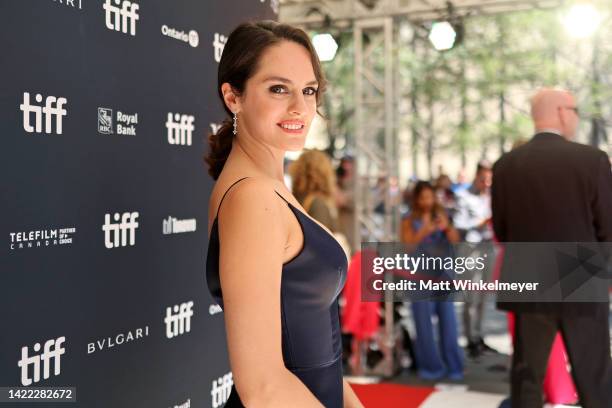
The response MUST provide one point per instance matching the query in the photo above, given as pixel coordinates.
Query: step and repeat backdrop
(106, 105)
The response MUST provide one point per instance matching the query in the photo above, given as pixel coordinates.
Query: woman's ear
(232, 101)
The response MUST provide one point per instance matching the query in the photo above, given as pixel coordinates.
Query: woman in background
(314, 184)
(428, 229)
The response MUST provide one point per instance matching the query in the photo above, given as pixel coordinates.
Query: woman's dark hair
(416, 194)
(239, 62)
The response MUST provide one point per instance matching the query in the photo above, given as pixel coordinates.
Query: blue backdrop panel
(105, 107)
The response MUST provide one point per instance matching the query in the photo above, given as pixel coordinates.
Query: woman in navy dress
(275, 271)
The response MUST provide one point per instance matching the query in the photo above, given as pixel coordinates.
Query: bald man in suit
(552, 189)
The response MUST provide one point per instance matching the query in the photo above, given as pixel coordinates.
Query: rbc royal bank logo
(53, 109)
(105, 121)
(52, 350)
(125, 123)
(121, 16)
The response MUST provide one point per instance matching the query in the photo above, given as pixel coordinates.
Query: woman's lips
(293, 125)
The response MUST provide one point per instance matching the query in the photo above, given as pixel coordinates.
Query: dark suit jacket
(551, 190)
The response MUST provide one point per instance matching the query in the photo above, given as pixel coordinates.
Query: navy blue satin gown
(310, 284)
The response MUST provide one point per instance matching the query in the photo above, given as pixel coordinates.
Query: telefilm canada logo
(41, 238)
(125, 122)
(192, 37)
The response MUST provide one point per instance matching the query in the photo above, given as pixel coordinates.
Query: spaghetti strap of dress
(227, 191)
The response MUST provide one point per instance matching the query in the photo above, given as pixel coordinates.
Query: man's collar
(549, 130)
(546, 134)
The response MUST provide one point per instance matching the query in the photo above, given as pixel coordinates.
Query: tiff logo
(53, 108)
(178, 322)
(116, 234)
(221, 389)
(119, 19)
(180, 129)
(214, 127)
(219, 44)
(53, 350)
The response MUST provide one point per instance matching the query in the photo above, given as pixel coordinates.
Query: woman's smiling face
(280, 100)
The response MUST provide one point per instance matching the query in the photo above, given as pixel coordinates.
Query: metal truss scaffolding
(376, 214)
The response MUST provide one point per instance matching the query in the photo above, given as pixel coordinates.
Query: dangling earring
(235, 124)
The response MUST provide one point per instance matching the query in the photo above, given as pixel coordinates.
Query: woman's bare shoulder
(252, 195)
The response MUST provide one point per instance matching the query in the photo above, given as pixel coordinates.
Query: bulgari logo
(117, 340)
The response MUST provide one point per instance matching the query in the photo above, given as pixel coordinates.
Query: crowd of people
(546, 189)
(281, 295)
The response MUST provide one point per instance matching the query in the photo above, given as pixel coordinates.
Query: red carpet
(391, 395)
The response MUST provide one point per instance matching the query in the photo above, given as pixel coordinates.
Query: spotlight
(326, 46)
(442, 35)
(582, 20)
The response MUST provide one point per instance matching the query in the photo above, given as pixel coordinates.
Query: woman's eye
(310, 91)
(278, 89)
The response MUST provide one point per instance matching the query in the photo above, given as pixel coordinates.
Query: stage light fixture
(582, 20)
(442, 35)
(325, 45)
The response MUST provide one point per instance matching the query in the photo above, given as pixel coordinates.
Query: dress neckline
(294, 209)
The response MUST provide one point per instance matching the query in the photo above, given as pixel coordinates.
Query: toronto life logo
(172, 225)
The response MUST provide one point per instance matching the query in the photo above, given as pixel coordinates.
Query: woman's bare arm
(253, 235)
(349, 396)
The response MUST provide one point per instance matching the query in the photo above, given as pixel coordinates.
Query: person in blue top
(428, 229)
